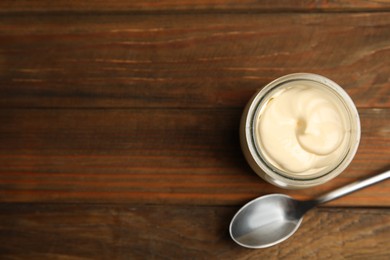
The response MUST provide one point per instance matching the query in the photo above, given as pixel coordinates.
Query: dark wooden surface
(119, 125)
(187, 232)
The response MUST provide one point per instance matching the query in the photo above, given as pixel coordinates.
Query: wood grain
(45, 6)
(155, 156)
(144, 109)
(119, 124)
(41, 231)
(186, 61)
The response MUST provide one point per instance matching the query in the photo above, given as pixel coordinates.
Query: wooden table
(119, 125)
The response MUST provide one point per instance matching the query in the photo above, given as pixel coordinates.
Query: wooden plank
(164, 232)
(8, 6)
(171, 156)
(192, 61)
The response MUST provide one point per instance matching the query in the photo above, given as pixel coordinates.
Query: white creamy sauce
(303, 129)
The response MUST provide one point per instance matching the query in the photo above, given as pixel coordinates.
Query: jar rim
(270, 172)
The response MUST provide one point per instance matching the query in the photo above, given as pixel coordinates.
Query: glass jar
(254, 148)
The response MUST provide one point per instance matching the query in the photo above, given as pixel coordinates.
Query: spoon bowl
(265, 221)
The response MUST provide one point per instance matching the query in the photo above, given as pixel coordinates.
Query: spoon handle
(357, 185)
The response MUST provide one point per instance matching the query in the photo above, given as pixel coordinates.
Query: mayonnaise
(302, 129)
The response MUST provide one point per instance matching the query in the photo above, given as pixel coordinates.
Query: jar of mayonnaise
(299, 131)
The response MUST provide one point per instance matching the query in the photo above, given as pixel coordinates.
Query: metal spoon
(271, 219)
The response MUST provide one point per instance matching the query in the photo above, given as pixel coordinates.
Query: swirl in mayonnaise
(302, 129)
